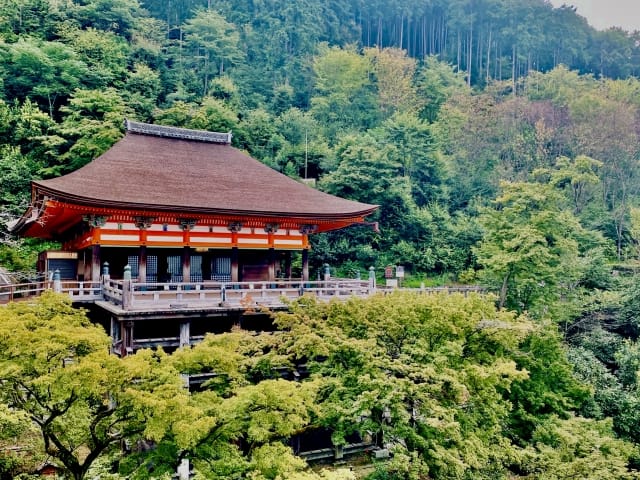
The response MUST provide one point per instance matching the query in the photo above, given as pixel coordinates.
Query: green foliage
(454, 386)
(19, 446)
(93, 123)
(15, 180)
(57, 369)
(551, 388)
(104, 53)
(530, 247)
(406, 377)
(577, 448)
(47, 72)
(214, 45)
(142, 89)
(436, 82)
(344, 98)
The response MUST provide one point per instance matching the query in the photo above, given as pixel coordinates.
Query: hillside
(501, 140)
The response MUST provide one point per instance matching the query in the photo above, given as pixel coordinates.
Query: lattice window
(196, 268)
(132, 260)
(152, 267)
(175, 267)
(221, 269)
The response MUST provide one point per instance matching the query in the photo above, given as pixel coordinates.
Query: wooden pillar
(142, 264)
(206, 266)
(86, 264)
(186, 264)
(187, 225)
(163, 268)
(305, 265)
(272, 264)
(234, 264)
(185, 333)
(288, 265)
(126, 328)
(95, 263)
(114, 332)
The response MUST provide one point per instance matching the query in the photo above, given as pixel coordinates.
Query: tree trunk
(513, 68)
(470, 54)
(503, 290)
(488, 66)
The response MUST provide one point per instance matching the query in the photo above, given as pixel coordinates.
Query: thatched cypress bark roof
(167, 168)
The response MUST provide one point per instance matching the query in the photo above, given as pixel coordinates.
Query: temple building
(180, 205)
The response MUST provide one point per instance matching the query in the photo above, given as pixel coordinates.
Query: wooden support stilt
(185, 334)
(305, 265)
(186, 264)
(142, 264)
(95, 263)
(234, 264)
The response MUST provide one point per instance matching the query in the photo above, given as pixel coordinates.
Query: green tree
(213, 43)
(578, 177)
(117, 16)
(46, 72)
(142, 89)
(578, 448)
(394, 74)
(436, 82)
(34, 18)
(57, 369)
(426, 374)
(344, 97)
(93, 122)
(20, 450)
(242, 418)
(15, 181)
(411, 143)
(530, 248)
(104, 53)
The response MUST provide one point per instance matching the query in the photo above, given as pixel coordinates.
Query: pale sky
(603, 14)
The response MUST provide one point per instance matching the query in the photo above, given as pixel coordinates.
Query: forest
(501, 139)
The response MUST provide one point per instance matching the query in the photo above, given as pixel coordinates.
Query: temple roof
(169, 169)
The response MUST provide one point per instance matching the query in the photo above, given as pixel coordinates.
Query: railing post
(327, 272)
(127, 294)
(105, 278)
(372, 279)
(57, 283)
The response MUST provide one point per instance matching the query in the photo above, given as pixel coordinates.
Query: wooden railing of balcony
(78, 291)
(133, 295)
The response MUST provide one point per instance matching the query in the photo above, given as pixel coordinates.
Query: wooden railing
(78, 291)
(20, 291)
(133, 295)
(463, 289)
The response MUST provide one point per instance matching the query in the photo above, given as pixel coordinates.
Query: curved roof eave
(101, 203)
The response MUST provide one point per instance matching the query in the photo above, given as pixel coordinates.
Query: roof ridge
(176, 132)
